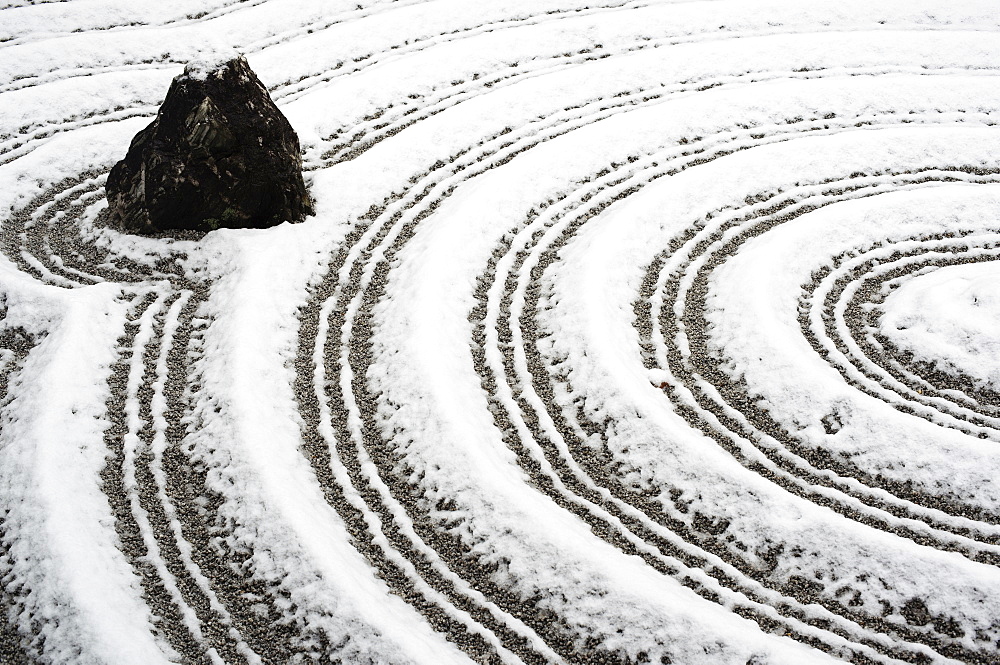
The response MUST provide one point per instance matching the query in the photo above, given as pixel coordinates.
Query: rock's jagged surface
(219, 154)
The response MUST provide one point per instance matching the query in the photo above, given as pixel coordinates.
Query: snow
(624, 331)
(209, 62)
(52, 452)
(961, 336)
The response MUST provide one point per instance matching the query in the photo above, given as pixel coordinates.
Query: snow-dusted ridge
(625, 332)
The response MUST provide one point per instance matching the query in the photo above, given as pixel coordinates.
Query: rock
(219, 154)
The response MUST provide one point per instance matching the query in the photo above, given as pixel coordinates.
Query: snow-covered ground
(626, 331)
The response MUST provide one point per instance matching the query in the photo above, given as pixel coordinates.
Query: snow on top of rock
(210, 61)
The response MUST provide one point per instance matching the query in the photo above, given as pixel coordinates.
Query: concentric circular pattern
(628, 331)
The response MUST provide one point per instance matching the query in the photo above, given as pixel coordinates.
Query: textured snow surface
(626, 331)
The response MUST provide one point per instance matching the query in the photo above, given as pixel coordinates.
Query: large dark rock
(219, 154)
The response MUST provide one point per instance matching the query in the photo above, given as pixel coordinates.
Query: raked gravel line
(593, 465)
(706, 364)
(702, 363)
(203, 601)
(330, 71)
(359, 356)
(20, 143)
(15, 343)
(173, 619)
(164, 511)
(91, 14)
(438, 181)
(869, 279)
(306, 83)
(481, 81)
